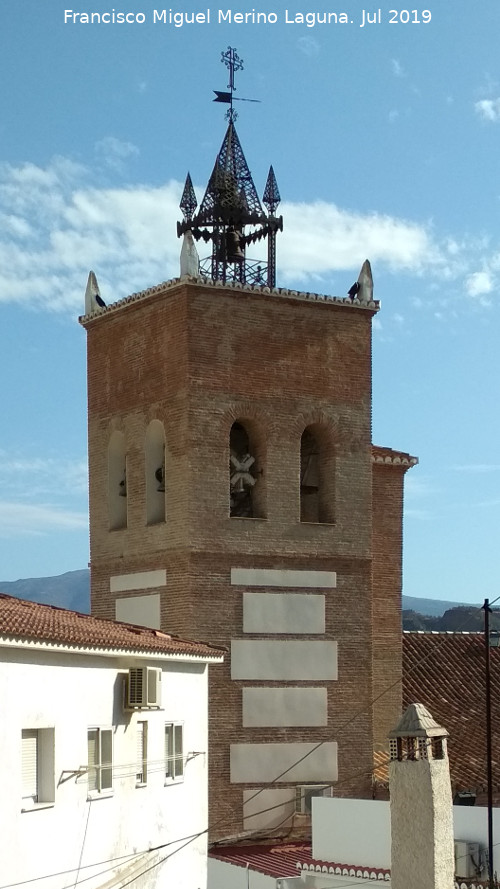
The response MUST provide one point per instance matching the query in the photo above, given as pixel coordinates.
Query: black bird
(99, 300)
(354, 290)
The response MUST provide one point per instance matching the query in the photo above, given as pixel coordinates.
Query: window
(141, 775)
(304, 794)
(100, 760)
(174, 757)
(37, 755)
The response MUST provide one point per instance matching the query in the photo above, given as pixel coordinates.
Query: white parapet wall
(359, 831)
(351, 831)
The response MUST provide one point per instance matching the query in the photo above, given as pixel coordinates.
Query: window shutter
(93, 758)
(169, 750)
(106, 759)
(30, 764)
(141, 753)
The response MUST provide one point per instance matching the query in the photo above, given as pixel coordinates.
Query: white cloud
(488, 109)
(397, 68)
(114, 152)
(24, 477)
(56, 224)
(479, 283)
(320, 238)
(37, 519)
(308, 45)
(41, 495)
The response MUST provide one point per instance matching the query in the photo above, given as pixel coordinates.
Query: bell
(160, 478)
(234, 253)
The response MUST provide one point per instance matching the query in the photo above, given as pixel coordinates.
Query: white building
(103, 744)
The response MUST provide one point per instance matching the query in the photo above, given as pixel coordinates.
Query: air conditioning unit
(143, 688)
(304, 794)
(469, 860)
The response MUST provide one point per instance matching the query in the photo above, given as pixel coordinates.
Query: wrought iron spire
(231, 203)
(188, 202)
(271, 199)
(272, 195)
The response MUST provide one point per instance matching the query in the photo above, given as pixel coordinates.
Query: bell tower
(232, 500)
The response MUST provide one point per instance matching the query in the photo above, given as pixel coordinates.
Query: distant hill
(431, 607)
(72, 590)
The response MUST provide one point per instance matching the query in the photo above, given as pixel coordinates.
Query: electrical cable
(83, 842)
(275, 780)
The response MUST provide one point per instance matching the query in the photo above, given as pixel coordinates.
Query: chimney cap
(417, 722)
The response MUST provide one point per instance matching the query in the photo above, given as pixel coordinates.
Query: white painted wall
(292, 613)
(471, 824)
(351, 831)
(140, 580)
(222, 875)
(276, 706)
(142, 610)
(283, 660)
(359, 831)
(283, 577)
(265, 808)
(70, 693)
(300, 762)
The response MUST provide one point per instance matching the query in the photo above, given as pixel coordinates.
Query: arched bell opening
(155, 473)
(117, 481)
(317, 476)
(246, 477)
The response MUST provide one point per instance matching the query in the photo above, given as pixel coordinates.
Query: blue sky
(385, 144)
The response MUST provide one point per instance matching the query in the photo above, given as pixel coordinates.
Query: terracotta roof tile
(273, 860)
(289, 860)
(446, 673)
(21, 619)
(389, 457)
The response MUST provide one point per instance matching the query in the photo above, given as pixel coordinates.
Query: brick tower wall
(197, 359)
(387, 577)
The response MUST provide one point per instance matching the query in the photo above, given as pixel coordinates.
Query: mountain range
(72, 590)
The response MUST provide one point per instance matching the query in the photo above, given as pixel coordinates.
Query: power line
(269, 784)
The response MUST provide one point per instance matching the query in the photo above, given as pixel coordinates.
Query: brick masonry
(198, 358)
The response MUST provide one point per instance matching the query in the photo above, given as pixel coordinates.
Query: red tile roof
(288, 860)
(446, 673)
(388, 457)
(273, 860)
(32, 622)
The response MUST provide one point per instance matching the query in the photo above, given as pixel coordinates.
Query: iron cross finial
(232, 61)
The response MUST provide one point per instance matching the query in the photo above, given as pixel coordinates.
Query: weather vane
(232, 61)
